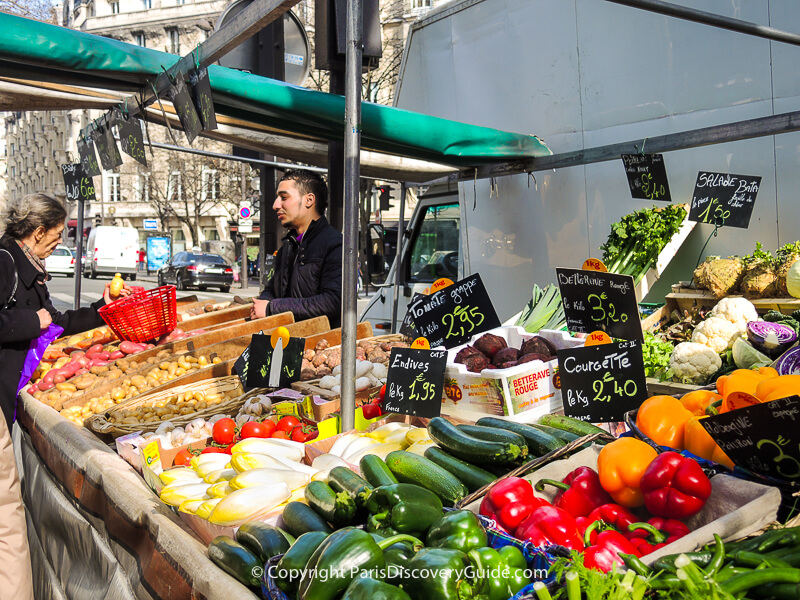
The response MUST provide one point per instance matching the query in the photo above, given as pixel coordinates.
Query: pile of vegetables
(324, 359)
(492, 352)
(543, 311)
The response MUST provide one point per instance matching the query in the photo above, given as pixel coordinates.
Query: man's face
(294, 209)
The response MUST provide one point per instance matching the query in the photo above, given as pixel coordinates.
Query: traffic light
(384, 195)
(98, 220)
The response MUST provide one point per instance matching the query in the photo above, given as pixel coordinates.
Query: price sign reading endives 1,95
(415, 382)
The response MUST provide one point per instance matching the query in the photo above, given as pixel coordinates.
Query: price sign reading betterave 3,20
(724, 200)
(600, 301)
(454, 314)
(647, 176)
(415, 382)
(601, 383)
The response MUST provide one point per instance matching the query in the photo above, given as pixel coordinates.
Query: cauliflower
(738, 311)
(716, 333)
(694, 363)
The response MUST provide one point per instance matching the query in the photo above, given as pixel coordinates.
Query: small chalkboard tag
(241, 365)
(261, 372)
(78, 185)
(415, 382)
(184, 106)
(600, 301)
(601, 383)
(104, 151)
(453, 315)
(647, 176)
(407, 327)
(88, 158)
(764, 438)
(724, 200)
(203, 100)
(111, 143)
(131, 139)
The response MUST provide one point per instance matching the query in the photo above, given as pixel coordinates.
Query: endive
(190, 506)
(174, 495)
(206, 507)
(179, 473)
(261, 476)
(327, 462)
(341, 444)
(220, 490)
(420, 447)
(397, 436)
(358, 445)
(417, 434)
(248, 503)
(270, 447)
(381, 450)
(209, 459)
(220, 475)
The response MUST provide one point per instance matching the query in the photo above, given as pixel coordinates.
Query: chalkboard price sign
(415, 382)
(78, 185)
(601, 383)
(203, 100)
(107, 150)
(600, 301)
(764, 438)
(240, 367)
(724, 200)
(131, 139)
(88, 158)
(454, 314)
(407, 327)
(184, 106)
(647, 176)
(260, 371)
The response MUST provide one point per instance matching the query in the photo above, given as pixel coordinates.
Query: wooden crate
(334, 336)
(688, 298)
(669, 388)
(238, 311)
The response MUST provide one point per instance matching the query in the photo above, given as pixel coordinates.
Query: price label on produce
(240, 367)
(601, 383)
(184, 106)
(203, 100)
(647, 176)
(407, 327)
(724, 200)
(131, 139)
(595, 301)
(88, 158)
(454, 314)
(275, 360)
(78, 185)
(415, 382)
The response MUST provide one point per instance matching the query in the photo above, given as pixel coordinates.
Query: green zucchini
(557, 433)
(290, 567)
(495, 434)
(569, 424)
(470, 448)
(300, 518)
(539, 442)
(338, 508)
(412, 468)
(265, 541)
(375, 470)
(470, 475)
(236, 560)
(342, 479)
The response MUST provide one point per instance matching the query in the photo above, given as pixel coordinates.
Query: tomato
(182, 458)
(224, 431)
(254, 429)
(381, 395)
(288, 423)
(270, 426)
(304, 434)
(371, 411)
(213, 450)
(280, 435)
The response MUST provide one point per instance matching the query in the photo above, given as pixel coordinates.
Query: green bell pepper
(445, 574)
(290, 568)
(396, 557)
(402, 508)
(513, 557)
(366, 588)
(342, 557)
(503, 580)
(458, 530)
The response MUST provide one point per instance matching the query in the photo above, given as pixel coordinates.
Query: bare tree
(41, 10)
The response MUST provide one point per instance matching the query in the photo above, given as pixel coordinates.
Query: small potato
(201, 404)
(180, 372)
(210, 397)
(130, 421)
(202, 361)
(66, 387)
(133, 365)
(163, 353)
(199, 396)
(191, 359)
(173, 366)
(216, 360)
(186, 410)
(171, 407)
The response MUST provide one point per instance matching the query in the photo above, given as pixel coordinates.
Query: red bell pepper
(674, 486)
(550, 525)
(604, 553)
(656, 533)
(580, 493)
(510, 502)
(611, 514)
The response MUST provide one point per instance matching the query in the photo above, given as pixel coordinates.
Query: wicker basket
(101, 423)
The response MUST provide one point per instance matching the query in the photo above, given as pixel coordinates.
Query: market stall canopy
(58, 66)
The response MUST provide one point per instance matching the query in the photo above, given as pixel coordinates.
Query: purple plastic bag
(36, 352)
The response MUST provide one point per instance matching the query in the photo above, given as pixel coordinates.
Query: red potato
(46, 385)
(130, 347)
(80, 372)
(76, 355)
(149, 346)
(59, 378)
(105, 355)
(116, 354)
(96, 362)
(48, 377)
(94, 350)
(32, 389)
(83, 361)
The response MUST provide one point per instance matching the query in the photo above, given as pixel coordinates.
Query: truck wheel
(225, 289)
(93, 273)
(132, 277)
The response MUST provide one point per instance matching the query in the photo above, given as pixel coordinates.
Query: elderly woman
(33, 229)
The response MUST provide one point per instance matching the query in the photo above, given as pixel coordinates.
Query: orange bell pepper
(775, 388)
(697, 401)
(700, 443)
(621, 465)
(662, 419)
(747, 381)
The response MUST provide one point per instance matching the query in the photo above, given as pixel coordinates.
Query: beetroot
(507, 365)
(539, 345)
(505, 355)
(466, 352)
(476, 363)
(490, 344)
(533, 356)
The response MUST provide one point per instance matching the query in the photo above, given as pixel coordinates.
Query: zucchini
(495, 434)
(469, 448)
(473, 477)
(575, 426)
(290, 567)
(342, 479)
(300, 518)
(557, 433)
(236, 560)
(375, 470)
(265, 541)
(412, 468)
(539, 442)
(338, 508)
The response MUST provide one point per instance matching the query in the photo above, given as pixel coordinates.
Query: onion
(789, 363)
(770, 338)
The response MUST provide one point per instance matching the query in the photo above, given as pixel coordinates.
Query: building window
(179, 2)
(210, 184)
(12, 149)
(112, 183)
(210, 234)
(139, 40)
(174, 42)
(115, 8)
(416, 4)
(141, 187)
(175, 187)
(147, 4)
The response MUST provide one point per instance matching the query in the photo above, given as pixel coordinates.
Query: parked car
(197, 269)
(111, 250)
(61, 261)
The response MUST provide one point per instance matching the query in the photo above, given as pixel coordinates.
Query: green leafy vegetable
(596, 585)
(656, 355)
(544, 311)
(759, 255)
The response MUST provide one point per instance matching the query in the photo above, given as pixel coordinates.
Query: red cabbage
(770, 338)
(789, 363)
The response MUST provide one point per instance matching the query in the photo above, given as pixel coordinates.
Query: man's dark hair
(309, 182)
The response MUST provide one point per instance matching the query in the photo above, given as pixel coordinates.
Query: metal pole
(78, 254)
(352, 149)
(398, 258)
(243, 275)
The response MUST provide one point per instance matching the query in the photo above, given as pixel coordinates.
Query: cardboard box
(523, 393)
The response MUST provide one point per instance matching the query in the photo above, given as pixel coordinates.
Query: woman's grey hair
(24, 216)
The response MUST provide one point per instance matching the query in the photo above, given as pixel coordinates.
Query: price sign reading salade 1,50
(601, 383)
(454, 314)
(415, 382)
(724, 200)
(600, 301)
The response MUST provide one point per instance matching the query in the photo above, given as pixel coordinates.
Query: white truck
(583, 74)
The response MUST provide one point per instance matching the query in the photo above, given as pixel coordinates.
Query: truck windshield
(434, 253)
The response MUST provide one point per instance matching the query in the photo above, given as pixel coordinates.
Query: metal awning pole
(352, 149)
(79, 253)
(398, 261)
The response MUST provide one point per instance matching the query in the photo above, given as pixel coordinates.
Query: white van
(112, 250)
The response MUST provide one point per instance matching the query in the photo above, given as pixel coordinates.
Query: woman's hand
(44, 318)
(125, 291)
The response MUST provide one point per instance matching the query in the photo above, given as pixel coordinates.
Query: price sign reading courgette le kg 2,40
(454, 314)
(415, 382)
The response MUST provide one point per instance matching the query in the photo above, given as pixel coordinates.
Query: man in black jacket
(307, 280)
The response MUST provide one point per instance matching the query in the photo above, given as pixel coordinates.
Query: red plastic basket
(142, 317)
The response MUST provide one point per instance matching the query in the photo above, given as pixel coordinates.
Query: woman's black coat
(19, 323)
